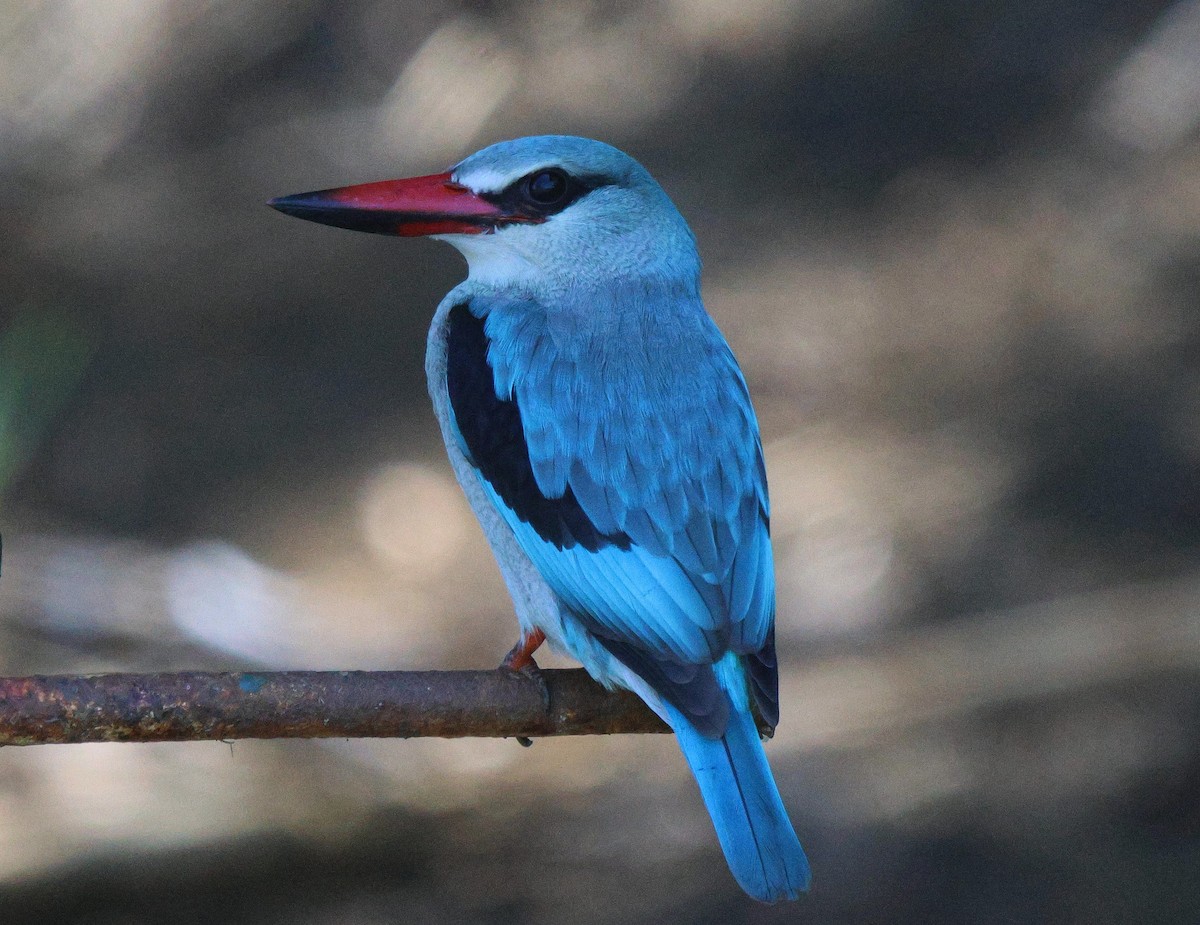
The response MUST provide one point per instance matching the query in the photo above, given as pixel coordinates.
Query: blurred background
(956, 247)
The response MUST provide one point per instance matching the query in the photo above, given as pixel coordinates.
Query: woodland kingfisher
(604, 436)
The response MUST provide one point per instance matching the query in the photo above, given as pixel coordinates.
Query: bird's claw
(522, 662)
(531, 670)
(520, 659)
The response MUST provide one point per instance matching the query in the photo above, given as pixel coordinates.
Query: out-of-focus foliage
(957, 250)
(41, 361)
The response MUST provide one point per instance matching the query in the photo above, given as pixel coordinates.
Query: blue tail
(735, 780)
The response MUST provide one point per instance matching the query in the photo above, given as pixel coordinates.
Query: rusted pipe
(192, 706)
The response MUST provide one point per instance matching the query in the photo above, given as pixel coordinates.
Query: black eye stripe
(522, 199)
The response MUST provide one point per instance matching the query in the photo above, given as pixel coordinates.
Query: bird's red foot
(520, 658)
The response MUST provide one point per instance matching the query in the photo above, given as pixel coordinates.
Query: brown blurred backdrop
(957, 249)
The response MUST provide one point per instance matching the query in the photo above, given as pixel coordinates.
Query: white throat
(493, 261)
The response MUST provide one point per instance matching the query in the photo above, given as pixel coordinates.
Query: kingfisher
(603, 433)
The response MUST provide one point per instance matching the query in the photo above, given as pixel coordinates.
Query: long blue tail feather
(735, 780)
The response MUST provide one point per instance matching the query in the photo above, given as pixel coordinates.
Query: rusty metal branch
(190, 706)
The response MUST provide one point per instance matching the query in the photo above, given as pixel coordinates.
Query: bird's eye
(546, 187)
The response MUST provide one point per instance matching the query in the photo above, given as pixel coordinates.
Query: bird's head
(550, 210)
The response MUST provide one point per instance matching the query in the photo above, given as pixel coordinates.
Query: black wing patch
(763, 669)
(691, 689)
(495, 439)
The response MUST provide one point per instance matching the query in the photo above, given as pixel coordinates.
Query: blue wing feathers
(743, 578)
(628, 464)
(750, 633)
